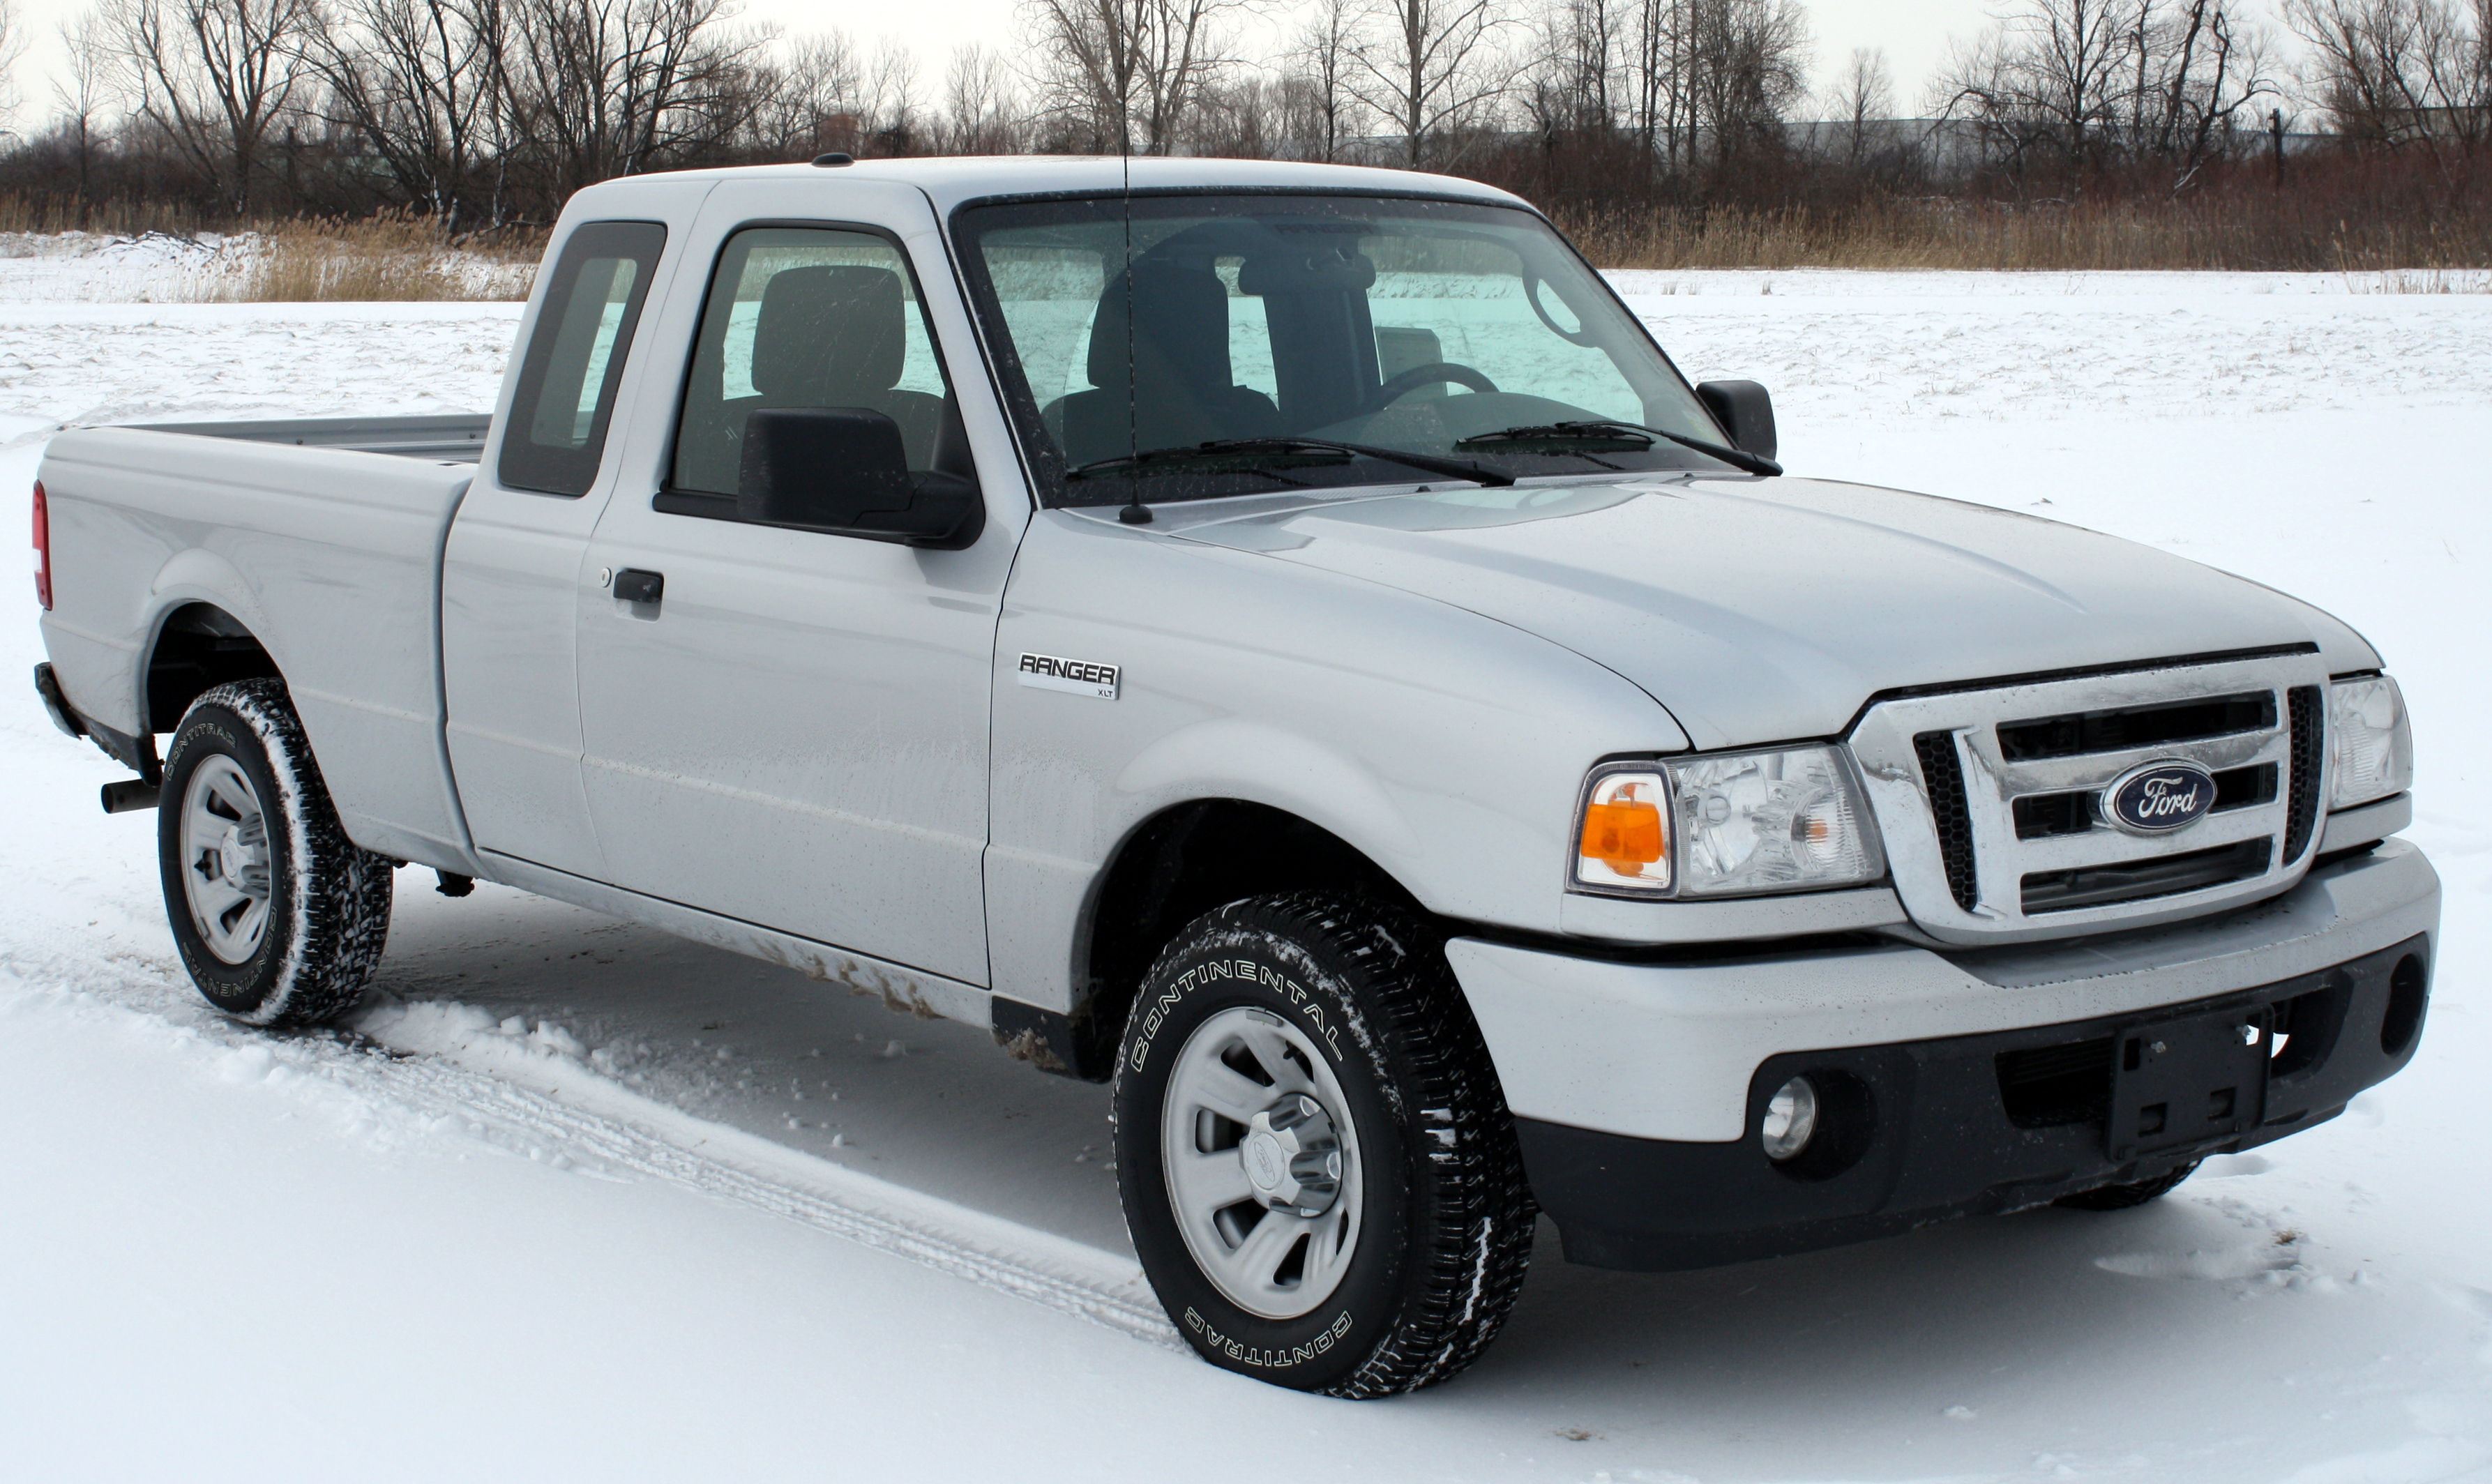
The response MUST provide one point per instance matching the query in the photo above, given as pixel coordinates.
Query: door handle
(633, 586)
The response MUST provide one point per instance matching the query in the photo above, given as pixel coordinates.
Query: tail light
(42, 549)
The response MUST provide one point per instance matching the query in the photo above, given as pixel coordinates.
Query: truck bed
(319, 538)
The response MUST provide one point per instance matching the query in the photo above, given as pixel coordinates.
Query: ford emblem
(2159, 797)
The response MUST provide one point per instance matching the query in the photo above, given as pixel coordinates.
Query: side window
(574, 360)
(806, 318)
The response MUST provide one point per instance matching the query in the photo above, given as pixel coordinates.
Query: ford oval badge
(2159, 797)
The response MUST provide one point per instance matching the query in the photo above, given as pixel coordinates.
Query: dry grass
(2241, 233)
(50, 214)
(374, 258)
(388, 257)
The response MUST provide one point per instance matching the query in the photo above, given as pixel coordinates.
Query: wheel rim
(1262, 1164)
(225, 865)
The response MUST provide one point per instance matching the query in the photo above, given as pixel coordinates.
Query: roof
(949, 182)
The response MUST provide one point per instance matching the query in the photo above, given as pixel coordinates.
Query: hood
(1769, 610)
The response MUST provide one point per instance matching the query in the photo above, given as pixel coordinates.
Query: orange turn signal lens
(1623, 836)
(1625, 839)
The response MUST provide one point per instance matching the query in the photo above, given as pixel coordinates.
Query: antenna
(1135, 513)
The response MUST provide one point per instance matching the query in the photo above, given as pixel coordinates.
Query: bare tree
(808, 98)
(1568, 82)
(2088, 83)
(601, 88)
(1316, 99)
(1747, 63)
(2398, 72)
(412, 81)
(891, 98)
(82, 91)
(215, 75)
(12, 46)
(1428, 67)
(1864, 93)
(1124, 75)
(979, 116)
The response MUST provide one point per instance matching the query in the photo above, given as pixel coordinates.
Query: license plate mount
(2197, 1080)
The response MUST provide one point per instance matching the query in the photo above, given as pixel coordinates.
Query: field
(577, 1201)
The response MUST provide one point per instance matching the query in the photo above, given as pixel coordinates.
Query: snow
(575, 1199)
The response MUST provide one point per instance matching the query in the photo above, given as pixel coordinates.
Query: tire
(2134, 1193)
(1387, 1150)
(279, 918)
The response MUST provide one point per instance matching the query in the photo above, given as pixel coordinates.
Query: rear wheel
(1318, 1169)
(2119, 1198)
(279, 918)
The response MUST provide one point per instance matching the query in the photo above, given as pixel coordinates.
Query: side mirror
(844, 470)
(1745, 411)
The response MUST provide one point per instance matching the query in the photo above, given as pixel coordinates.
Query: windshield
(1127, 327)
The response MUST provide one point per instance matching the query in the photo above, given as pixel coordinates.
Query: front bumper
(1636, 1085)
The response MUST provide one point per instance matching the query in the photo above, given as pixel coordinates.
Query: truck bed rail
(456, 437)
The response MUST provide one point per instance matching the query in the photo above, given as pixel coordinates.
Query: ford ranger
(1285, 641)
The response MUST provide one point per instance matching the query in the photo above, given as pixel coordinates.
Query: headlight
(1726, 824)
(2370, 748)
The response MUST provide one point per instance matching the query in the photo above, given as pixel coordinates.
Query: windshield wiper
(1221, 449)
(1593, 427)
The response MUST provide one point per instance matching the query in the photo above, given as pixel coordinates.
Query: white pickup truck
(1284, 639)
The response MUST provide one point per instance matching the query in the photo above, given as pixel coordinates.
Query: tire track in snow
(522, 1095)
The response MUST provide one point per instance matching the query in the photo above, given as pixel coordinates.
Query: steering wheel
(1402, 385)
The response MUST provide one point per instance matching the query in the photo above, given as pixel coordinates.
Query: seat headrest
(1180, 328)
(830, 336)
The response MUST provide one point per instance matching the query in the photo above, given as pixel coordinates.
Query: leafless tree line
(477, 113)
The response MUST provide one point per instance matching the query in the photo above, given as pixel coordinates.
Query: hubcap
(1263, 1163)
(225, 864)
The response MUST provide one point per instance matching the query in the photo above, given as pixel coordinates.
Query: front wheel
(1318, 1168)
(279, 916)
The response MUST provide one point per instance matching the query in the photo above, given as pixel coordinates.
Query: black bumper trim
(1933, 1136)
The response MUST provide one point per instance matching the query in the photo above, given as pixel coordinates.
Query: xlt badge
(1079, 677)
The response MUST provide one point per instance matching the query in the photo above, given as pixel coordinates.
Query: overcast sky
(1914, 32)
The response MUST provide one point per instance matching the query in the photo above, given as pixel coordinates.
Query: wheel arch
(1170, 867)
(194, 646)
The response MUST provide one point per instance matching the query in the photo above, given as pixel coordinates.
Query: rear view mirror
(1745, 411)
(844, 470)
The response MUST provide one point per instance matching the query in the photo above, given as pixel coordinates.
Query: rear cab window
(804, 316)
(574, 363)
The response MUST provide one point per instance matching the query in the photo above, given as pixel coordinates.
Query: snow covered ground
(577, 1201)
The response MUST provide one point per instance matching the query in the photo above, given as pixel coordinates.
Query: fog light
(1791, 1118)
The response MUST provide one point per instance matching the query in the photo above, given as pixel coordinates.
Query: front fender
(1231, 758)
(1446, 747)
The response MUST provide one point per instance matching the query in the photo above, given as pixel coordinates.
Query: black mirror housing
(1746, 413)
(845, 470)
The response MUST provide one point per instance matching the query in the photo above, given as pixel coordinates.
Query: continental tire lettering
(1269, 1360)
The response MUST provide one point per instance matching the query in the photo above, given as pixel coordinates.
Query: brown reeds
(1955, 234)
(373, 259)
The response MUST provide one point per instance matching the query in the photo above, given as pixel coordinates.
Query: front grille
(2160, 875)
(2052, 1086)
(2126, 728)
(2309, 745)
(1943, 772)
(1990, 799)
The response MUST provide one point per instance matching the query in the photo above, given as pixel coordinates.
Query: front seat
(1177, 388)
(837, 335)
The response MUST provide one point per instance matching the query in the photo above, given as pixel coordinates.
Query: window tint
(575, 358)
(806, 318)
